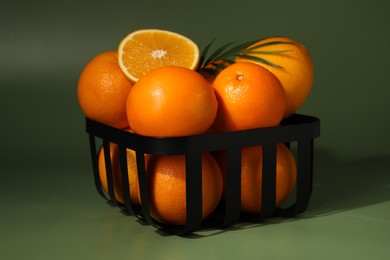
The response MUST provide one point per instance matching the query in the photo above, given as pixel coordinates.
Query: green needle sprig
(227, 53)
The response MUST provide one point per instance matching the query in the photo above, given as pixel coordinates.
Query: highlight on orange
(171, 101)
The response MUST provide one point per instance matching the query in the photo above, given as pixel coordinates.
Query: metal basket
(299, 129)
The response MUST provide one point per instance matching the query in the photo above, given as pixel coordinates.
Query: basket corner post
(304, 175)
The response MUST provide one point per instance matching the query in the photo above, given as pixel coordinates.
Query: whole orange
(249, 96)
(251, 175)
(116, 173)
(102, 90)
(171, 101)
(168, 187)
(295, 71)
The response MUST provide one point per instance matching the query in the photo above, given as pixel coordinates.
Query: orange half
(144, 50)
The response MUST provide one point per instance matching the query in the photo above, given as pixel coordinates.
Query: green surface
(49, 207)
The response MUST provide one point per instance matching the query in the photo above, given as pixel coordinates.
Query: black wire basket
(298, 130)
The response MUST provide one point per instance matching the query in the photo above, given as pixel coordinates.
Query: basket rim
(294, 128)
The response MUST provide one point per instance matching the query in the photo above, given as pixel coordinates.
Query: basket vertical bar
(143, 188)
(268, 189)
(109, 173)
(193, 191)
(94, 157)
(233, 186)
(304, 174)
(125, 179)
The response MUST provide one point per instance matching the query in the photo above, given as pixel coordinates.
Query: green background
(49, 207)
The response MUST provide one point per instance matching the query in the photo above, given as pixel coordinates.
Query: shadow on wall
(344, 185)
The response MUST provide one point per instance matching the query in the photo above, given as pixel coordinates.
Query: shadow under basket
(296, 131)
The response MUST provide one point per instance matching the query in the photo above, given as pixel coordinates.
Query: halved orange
(144, 50)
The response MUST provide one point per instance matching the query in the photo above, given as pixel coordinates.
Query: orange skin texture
(297, 74)
(102, 90)
(249, 96)
(171, 101)
(168, 187)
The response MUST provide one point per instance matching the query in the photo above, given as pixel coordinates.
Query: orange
(167, 177)
(171, 101)
(102, 90)
(144, 50)
(116, 173)
(296, 72)
(251, 176)
(249, 96)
